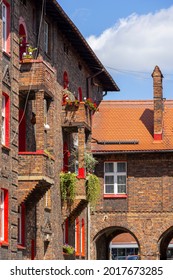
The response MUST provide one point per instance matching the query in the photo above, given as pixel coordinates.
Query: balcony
(76, 115)
(36, 75)
(36, 171)
(73, 209)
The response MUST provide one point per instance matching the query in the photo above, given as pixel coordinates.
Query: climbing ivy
(92, 188)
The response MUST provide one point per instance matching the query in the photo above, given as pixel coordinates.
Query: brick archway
(103, 239)
(164, 241)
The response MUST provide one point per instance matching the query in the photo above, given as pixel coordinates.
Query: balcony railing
(35, 74)
(36, 166)
(74, 115)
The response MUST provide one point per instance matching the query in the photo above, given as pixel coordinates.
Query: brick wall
(146, 213)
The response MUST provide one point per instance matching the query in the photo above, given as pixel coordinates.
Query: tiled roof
(128, 126)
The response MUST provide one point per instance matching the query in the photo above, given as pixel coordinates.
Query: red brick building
(51, 83)
(133, 143)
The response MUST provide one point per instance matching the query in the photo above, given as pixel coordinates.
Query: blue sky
(130, 37)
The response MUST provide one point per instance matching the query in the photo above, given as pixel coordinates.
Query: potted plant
(68, 249)
(91, 105)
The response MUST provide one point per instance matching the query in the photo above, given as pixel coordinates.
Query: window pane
(109, 167)
(121, 188)
(109, 189)
(121, 180)
(121, 252)
(121, 167)
(109, 179)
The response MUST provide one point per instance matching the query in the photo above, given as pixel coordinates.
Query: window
(5, 26)
(65, 80)
(3, 215)
(80, 94)
(115, 177)
(5, 120)
(47, 38)
(21, 224)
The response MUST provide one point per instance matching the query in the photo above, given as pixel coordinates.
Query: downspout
(90, 77)
(104, 94)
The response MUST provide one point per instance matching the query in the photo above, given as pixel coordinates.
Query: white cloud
(138, 42)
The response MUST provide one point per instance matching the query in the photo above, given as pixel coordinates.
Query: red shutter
(66, 231)
(83, 238)
(65, 152)
(77, 237)
(5, 215)
(23, 223)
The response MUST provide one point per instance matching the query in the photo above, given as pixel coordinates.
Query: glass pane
(121, 188)
(109, 179)
(109, 189)
(114, 253)
(121, 252)
(121, 167)
(109, 167)
(121, 180)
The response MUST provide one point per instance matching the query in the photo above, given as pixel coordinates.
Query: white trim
(115, 175)
(4, 27)
(1, 215)
(3, 112)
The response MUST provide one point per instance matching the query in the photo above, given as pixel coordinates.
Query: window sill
(115, 196)
(5, 148)
(21, 247)
(4, 244)
(8, 55)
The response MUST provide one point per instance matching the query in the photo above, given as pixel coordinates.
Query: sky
(130, 37)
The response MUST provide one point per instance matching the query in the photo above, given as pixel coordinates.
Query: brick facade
(40, 125)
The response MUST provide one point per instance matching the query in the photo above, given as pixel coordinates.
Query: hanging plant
(68, 182)
(92, 188)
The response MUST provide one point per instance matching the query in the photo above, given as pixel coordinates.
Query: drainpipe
(88, 232)
(90, 77)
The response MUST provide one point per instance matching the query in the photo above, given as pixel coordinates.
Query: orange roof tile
(130, 122)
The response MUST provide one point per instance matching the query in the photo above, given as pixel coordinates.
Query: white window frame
(2, 215)
(115, 175)
(4, 27)
(46, 36)
(3, 131)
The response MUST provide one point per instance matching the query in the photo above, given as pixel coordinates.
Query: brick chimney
(158, 103)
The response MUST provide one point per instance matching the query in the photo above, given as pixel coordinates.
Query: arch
(65, 80)
(22, 38)
(164, 241)
(103, 238)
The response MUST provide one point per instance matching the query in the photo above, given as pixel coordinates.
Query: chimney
(158, 103)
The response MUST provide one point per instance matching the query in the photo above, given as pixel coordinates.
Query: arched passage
(164, 242)
(103, 239)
